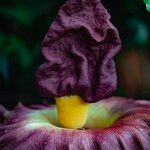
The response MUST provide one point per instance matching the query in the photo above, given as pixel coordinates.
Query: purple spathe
(78, 51)
(36, 128)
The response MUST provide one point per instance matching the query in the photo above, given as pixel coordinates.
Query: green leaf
(19, 50)
(147, 2)
(22, 15)
(140, 31)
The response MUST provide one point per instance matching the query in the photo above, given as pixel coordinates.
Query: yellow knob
(72, 111)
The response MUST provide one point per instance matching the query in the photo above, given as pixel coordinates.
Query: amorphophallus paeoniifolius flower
(79, 68)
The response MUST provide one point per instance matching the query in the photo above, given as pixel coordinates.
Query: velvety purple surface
(78, 50)
(19, 130)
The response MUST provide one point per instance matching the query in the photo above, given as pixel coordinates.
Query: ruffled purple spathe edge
(78, 51)
(26, 128)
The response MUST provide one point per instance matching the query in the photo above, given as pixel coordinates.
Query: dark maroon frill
(78, 51)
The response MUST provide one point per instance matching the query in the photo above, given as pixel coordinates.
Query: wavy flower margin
(28, 128)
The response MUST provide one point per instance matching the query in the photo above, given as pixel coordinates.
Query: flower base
(114, 123)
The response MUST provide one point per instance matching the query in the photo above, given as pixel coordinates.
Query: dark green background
(24, 23)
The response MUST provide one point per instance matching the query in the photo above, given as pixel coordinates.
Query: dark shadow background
(24, 23)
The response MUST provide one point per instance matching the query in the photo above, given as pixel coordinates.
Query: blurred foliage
(22, 28)
(134, 73)
(23, 25)
(147, 2)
